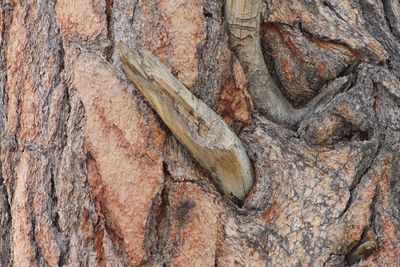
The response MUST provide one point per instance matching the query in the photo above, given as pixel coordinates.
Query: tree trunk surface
(91, 176)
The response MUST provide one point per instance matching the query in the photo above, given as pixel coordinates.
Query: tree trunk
(92, 176)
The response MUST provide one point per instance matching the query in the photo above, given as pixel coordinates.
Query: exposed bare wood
(193, 123)
(243, 18)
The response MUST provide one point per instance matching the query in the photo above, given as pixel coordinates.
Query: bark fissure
(365, 245)
(359, 176)
(5, 224)
(392, 19)
(6, 13)
(38, 256)
(157, 230)
(136, 11)
(204, 88)
(331, 7)
(110, 33)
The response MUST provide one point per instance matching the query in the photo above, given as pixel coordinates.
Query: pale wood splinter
(193, 123)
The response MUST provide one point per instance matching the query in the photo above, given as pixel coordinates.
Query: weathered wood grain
(193, 123)
(243, 19)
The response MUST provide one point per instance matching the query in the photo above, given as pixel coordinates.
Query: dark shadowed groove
(32, 235)
(153, 241)
(215, 36)
(109, 50)
(6, 11)
(382, 33)
(5, 225)
(368, 166)
(53, 153)
(392, 20)
(331, 7)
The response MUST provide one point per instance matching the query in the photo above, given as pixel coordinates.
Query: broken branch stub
(193, 123)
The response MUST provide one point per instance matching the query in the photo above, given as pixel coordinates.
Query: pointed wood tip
(193, 123)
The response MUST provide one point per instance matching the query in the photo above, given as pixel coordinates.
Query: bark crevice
(109, 51)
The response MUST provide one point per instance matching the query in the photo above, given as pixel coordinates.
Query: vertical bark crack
(155, 237)
(109, 51)
(6, 12)
(392, 18)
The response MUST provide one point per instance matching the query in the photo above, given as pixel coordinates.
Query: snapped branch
(193, 123)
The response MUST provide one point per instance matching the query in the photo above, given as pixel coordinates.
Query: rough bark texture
(90, 176)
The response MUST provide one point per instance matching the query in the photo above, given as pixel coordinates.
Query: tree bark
(92, 175)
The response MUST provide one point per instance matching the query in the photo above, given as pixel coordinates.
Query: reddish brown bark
(91, 177)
